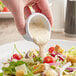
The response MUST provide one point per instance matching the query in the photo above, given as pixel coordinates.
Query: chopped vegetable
(11, 69)
(5, 10)
(2, 4)
(51, 49)
(71, 69)
(63, 68)
(72, 51)
(17, 50)
(1, 74)
(38, 59)
(28, 60)
(55, 64)
(48, 59)
(16, 56)
(61, 58)
(53, 67)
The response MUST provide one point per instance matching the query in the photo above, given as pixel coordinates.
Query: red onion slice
(61, 55)
(71, 69)
(56, 64)
(27, 54)
(63, 68)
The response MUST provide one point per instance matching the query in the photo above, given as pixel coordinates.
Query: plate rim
(30, 41)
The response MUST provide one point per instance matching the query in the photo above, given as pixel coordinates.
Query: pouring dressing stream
(40, 35)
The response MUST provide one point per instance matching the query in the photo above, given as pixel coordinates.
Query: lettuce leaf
(1, 74)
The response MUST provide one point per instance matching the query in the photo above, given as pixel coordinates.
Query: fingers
(19, 19)
(17, 9)
(27, 12)
(43, 5)
(36, 8)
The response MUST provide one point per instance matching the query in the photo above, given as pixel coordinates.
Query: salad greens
(38, 59)
(53, 67)
(54, 64)
(2, 4)
(1, 74)
(17, 50)
(72, 51)
(11, 69)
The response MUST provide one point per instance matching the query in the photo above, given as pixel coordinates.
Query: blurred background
(9, 33)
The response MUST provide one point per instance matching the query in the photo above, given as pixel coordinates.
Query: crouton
(58, 49)
(71, 58)
(38, 68)
(20, 73)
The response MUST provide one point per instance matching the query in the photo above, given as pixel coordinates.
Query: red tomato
(5, 9)
(51, 49)
(16, 56)
(48, 59)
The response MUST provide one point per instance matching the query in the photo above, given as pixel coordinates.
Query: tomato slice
(51, 49)
(48, 59)
(5, 9)
(16, 56)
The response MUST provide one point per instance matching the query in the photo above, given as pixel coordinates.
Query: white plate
(6, 15)
(7, 49)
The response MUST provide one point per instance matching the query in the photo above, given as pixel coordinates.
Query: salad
(3, 8)
(57, 62)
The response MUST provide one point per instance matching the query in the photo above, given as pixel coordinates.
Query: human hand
(20, 10)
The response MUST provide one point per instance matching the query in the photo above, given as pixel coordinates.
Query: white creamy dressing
(40, 34)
